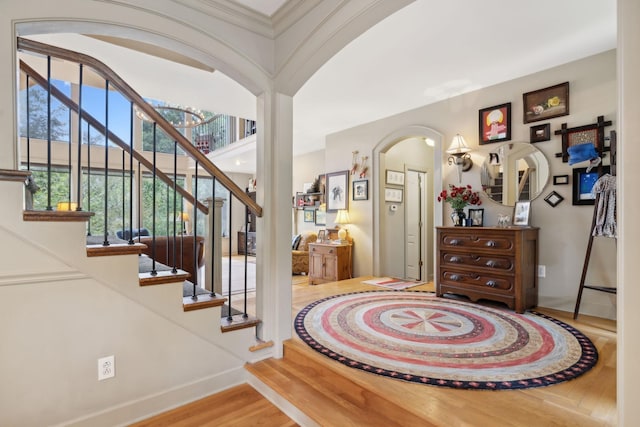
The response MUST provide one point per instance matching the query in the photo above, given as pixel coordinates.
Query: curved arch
(384, 145)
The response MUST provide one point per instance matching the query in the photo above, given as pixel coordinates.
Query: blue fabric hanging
(582, 152)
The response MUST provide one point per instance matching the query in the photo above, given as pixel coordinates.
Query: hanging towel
(582, 152)
(605, 226)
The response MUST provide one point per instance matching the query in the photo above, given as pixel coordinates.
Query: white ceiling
(429, 51)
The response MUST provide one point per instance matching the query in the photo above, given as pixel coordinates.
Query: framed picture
(393, 195)
(495, 124)
(321, 217)
(583, 184)
(322, 235)
(560, 179)
(477, 217)
(394, 178)
(521, 213)
(553, 199)
(540, 133)
(337, 191)
(543, 104)
(309, 215)
(360, 190)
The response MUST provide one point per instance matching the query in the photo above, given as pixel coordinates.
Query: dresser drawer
(503, 264)
(476, 280)
(473, 241)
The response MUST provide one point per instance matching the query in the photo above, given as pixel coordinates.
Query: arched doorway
(407, 151)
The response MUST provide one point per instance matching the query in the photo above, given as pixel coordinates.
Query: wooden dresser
(329, 262)
(498, 264)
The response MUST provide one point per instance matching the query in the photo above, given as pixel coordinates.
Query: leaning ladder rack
(607, 289)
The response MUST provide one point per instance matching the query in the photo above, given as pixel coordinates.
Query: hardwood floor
(332, 394)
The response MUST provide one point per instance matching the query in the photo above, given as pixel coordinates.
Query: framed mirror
(513, 172)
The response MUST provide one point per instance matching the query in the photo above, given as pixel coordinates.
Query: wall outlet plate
(106, 368)
(542, 270)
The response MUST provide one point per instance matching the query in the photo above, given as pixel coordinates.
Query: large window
(205, 192)
(165, 213)
(93, 200)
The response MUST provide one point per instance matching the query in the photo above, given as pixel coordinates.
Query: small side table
(329, 262)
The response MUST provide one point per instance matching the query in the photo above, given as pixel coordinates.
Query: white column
(273, 193)
(213, 249)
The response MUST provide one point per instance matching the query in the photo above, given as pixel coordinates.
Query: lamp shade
(184, 216)
(458, 145)
(342, 217)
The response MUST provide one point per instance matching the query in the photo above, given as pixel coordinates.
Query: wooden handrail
(95, 123)
(128, 92)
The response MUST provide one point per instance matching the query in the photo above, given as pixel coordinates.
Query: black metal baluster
(195, 233)
(106, 164)
(79, 174)
(139, 202)
(89, 177)
(28, 129)
(49, 207)
(131, 177)
(124, 191)
(246, 255)
(229, 316)
(212, 220)
(174, 270)
(153, 205)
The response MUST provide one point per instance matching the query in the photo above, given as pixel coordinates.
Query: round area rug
(417, 337)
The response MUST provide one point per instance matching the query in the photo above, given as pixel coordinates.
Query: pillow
(295, 242)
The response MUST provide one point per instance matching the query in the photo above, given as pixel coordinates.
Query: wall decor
(337, 191)
(583, 182)
(522, 213)
(321, 217)
(495, 124)
(322, 235)
(477, 217)
(309, 215)
(360, 190)
(560, 179)
(593, 133)
(553, 199)
(393, 195)
(543, 104)
(540, 133)
(394, 177)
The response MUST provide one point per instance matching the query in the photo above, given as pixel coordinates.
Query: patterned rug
(417, 337)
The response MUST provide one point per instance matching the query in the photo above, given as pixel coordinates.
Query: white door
(415, 237)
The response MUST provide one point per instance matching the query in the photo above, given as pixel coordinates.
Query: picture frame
(546, 103)
(337, 191)
(553, 199)
(494, 124)
(560, 179)
(394, 177)
(321, 217)
(540, 133)
(477, 217)
(583, 182)
(322, 236)
(522, 213)
(393, 195)
(309, 215)
(360, 189)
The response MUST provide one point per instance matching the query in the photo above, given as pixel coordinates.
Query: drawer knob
(456, 259)
(455, 242)
(456, 277)
(491, 244)
(492, 283)
(330, 251)
(491, 263)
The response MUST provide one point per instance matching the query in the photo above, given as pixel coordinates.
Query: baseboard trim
(148, 406)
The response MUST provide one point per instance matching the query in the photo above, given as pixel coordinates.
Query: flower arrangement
(459, 197)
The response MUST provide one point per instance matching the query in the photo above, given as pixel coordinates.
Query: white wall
(306, 168)
(564, 230)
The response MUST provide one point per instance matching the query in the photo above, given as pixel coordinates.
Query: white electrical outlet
(106, 367)
(542, 271)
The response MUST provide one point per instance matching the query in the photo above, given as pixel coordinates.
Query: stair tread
(325, 395)
(162, 277)
(115, 249)
(202, 301)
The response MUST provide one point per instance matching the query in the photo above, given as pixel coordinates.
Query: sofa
(185, 257)
(300, 252)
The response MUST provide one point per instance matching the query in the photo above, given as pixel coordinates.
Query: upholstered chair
(300, 255)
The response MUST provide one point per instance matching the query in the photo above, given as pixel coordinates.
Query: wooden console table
(498, 264)
(329, 262)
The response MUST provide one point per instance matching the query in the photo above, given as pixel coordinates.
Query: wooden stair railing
(128, 92)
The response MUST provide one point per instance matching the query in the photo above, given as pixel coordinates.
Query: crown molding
(233, 13)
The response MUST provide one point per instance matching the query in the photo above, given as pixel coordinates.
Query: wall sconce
(460, 156)
(342, 219)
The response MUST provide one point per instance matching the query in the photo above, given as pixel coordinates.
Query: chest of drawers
(498, 264)
(329, 263)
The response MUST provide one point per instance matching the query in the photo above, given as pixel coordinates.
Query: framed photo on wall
(540, 133)
(360, 190)
(495, 124)
(337, 191)
(394, 177)
(583, 182)
(309, 215)
(321, 217)
(543, 104)
(393, 195)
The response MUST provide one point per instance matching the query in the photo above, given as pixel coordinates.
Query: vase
(458, 216)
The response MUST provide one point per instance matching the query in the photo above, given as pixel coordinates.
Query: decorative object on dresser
(459, 198)
(497, 264)
(342, 219)
(329, 262)
(522, 213)
(476, 217)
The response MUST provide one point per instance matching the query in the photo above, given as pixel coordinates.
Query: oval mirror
(514, 171)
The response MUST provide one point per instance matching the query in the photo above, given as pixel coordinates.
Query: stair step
(56, 216)
(202, 301)
(115, 249)
(238, 321)
(311, 383)
(161, 277)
